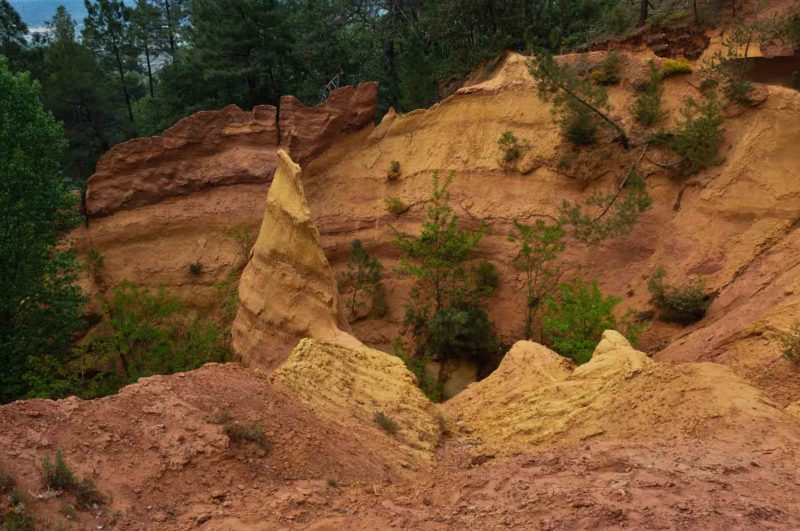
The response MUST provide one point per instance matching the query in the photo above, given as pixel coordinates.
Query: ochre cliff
(194, 195)
(733, 224)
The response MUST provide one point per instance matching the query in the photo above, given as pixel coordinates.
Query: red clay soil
(157, 450)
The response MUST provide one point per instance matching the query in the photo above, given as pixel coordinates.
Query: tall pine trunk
(121, 71)
(149, 67)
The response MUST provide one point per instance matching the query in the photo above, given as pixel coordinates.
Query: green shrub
(95, 261)
(673, 67)
(509, 145)
(146, 333)
(363, 279)
(678, 304)
(332, 483)
(432, 388)
(57, 475)
(462, 331)
(395, 205)
(578, 123)
(647, 110)
(698, 137)
(196, 269)
(485, 279)
(385, 423)
(244, 432)
(7, 480)
(394, 170)
(790, 342)
(576, 318)
(18, 520)
(607, 72)
(87, 495)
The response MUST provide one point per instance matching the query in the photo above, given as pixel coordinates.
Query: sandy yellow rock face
(533, 401)
(350, 385)
(287, 290)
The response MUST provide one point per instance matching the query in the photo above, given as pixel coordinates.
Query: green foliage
(246, 432)
(679, 304)
(87, 495)
(386, 423)
(607, 72)
(40, 308)
(146, 333)
(484, 279)
(462, 331)
(698, 137)
(396, 206)
(539, 245)
(418, 364)
(438, 256)
(394, 170)
(509, 145)
(363, 278)
(18, 520)
(604, 216)
(444, 313)
(647, 110)
(576, 318)
(673, 67)
(57, 475)
(790, 343)
(578, 105)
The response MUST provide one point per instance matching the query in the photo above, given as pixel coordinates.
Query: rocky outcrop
(191, 199)
(224, 147)
(206, 149)
(287, 291)
(350, 386)
(308, 131)
(532, 400)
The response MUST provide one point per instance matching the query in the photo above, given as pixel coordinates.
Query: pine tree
(107, 31)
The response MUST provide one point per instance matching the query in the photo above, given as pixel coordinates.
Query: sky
(36, 12)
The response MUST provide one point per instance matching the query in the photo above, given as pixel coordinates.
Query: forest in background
(134, 70)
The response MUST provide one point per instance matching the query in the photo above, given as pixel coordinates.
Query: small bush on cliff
(679, 304)
(395, 205)
(674, 67)
(577, 315)
(394, 170)
(246, 432)
(579, 106)
(57, 475)
(698, 137)
(510, 146)
(385, 423)
(363, 279)
(607, 72)
(648, 111)
(790, 342)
